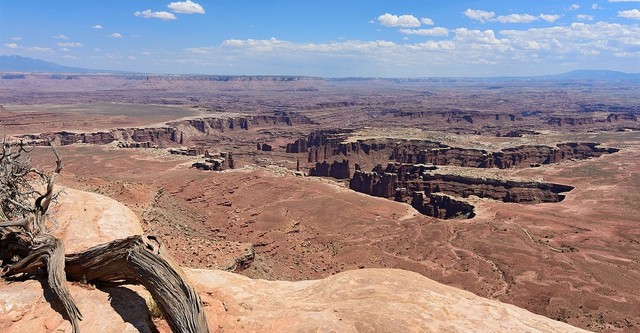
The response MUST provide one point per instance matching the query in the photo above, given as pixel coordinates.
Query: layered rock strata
(424, 190)
(172, 133)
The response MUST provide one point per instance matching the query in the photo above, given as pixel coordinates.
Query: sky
(327, 38)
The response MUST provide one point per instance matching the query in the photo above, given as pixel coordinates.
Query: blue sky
(330, 38)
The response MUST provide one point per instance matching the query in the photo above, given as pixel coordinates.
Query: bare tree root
(47, 250)
(142, 260)
(26, 247)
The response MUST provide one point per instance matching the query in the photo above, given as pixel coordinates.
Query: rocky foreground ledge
(381, 300)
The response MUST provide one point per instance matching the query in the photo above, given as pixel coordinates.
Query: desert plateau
(517, 192)
(196, 166)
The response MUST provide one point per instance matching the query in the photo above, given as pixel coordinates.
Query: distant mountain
(15, 63)
(592, 75)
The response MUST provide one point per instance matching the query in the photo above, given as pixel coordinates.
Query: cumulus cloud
(97, 26)
(574, 6)
(159, 15)
(579, 38)
(426, 21)
(549, 17)
(487, 16)
(584, 17)
(41, 49)
(115, 35)
(479, 15)
(186, 7)
(516, 18)
(11, 45)
(404, 21)
(456, 52)
(438, 31)
(630, 14)
(61, 36)
(69, 44)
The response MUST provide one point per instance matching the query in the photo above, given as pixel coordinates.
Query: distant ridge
(605, 75)
(16, 63)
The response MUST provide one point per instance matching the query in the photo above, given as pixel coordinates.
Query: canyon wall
(424, 190)
(173, 133)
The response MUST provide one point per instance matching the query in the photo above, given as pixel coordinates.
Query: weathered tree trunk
(26, 246)
(45, 251)
(135, 260)
(142, 260)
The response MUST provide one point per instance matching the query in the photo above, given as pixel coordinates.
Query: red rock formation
(573, 121)
(616, 117)
(338, 170)
(264, 147)
(521, 156)
(441, 206)
(299, 146)
(374, 183)
(404, 183)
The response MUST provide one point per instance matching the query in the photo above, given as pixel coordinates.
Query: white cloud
(486, 16)
(579, 38)
(584, 17)
(61, 36)
(479, 15)
(516, 18)
(159, 15)
(574, 6)
(115, 35)
(438, 31)
(16, 38)
(624, 0)
(41, 49)
(69, 44)
(97, 26)
(11, 45)
(186, 7)
(64, 49)
(461, 51)
(549, 17)
(405, 21)
(426, 21)
(630, 14)
(131, 57)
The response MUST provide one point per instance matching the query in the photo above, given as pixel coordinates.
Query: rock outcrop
(423, 189)
(326, 145)
(264, 147)
(299, 146)
(441, 206)
(216, 162)
(521, 156)
(172, 133)
(338, 170)
(362, 300)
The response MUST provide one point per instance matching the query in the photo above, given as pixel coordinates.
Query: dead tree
(27, 248)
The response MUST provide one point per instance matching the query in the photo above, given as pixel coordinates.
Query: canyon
(523, 193)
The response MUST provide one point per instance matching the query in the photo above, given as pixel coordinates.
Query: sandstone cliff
(383, 300)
